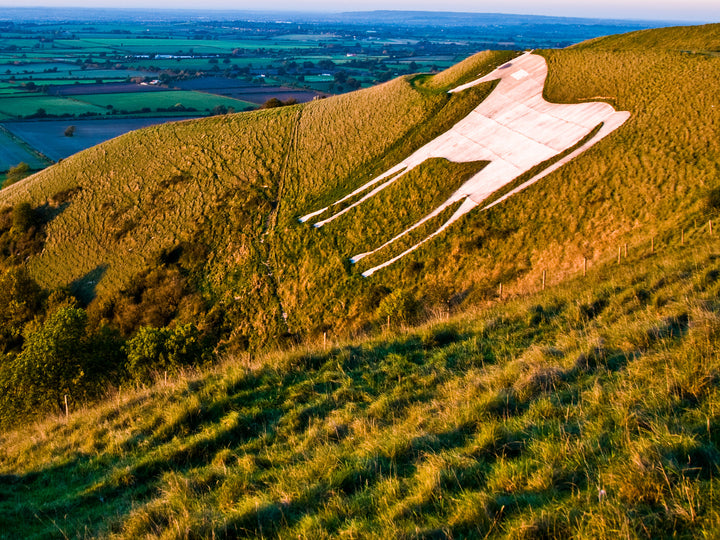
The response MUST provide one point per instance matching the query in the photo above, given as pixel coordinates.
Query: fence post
(324, 341)
(626, 250)
(619, 253)
(67, 409)
(543, 281)
(710, 224)
(584, 266)
(652, 244)
(500, 291)
(682, 237)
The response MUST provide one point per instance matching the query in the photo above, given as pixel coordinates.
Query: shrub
(20, 301)
(712, 200)
(398, 306)
(16, 173)
(24, 217)
(54, 363)
(154, 350)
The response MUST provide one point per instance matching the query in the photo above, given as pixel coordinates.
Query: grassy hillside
(218, 204)
(228, 191)
(589, 410)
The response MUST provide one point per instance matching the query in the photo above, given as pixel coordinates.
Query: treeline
(55, 348)
(52, 349)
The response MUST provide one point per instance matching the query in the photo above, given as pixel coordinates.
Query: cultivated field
(13, 151)
(133, 102)
(49, 138)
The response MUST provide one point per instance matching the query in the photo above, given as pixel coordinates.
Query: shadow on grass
(83, 288)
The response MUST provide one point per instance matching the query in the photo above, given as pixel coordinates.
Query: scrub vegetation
(229, 372)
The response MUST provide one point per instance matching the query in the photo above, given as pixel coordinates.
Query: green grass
(587, 410)
(154, 100)
(24, 106)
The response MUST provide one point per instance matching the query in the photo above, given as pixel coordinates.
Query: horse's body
(513, 129)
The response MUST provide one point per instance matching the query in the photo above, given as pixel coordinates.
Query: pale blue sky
(690, 10)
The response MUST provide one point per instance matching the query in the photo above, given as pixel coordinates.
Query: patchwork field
(13, 152)
(18, 107)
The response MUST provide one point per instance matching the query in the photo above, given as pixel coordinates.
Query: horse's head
(513, 68)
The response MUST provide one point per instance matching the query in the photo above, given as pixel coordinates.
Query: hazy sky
(690, 10)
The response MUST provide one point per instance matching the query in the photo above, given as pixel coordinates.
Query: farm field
(18, 107)
(13, 152)
(200, 101)
(49, 139)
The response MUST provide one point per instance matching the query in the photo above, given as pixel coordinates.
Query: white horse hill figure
(514, 129)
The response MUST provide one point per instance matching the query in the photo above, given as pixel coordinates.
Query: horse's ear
(494, 74)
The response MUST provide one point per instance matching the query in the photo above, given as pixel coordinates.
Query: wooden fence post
(543, 281)
(324, 341)
(619, 253)
(67, 409)
(710, 225)
(652, 244)
(626, 250)
(500, 291)
(584, 266)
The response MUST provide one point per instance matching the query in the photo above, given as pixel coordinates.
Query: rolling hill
(566, 384)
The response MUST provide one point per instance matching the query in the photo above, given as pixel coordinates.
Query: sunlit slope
(148, 190)
(648, 179)
(236, 186)
(222, 184)
(588, 411)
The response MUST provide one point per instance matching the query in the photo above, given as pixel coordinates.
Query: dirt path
(268, 238)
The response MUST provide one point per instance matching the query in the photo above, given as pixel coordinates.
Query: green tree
(16, 173)
(53, 362)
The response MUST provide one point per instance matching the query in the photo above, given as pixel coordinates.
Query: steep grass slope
(589, 410)
(223, 196)
(229, 189)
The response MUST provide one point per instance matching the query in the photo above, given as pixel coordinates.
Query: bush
(53, 363)
(16, 173)
(154, 350)
(712, 200)
(21, 299)
(24, 217)
(399, 306)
